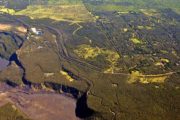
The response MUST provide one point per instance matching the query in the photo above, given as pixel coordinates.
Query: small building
(36, 31)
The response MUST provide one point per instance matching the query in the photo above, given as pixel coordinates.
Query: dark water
(3, 64)
(82, 109)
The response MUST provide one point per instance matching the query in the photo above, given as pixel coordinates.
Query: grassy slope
(59, 10)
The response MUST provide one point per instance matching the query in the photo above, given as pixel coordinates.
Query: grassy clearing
(136, 41)
(149, 12)
(65, 12)
(165, 60)
(144, 27)
(58, 12)
(87, 52)
(136, 76)
(68, 77)
(91, 53)
(162, 62)
(3, 9)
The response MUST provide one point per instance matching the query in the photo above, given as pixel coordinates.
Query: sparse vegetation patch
(91, 53)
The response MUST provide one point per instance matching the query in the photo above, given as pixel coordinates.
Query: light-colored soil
(7, 27)
(39, 105)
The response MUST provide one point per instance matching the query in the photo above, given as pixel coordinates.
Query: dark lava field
(89, 60)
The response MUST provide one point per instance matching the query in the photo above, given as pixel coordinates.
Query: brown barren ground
(18, 28)
(39, 105)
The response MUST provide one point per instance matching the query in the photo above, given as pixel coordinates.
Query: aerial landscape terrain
(89, 60)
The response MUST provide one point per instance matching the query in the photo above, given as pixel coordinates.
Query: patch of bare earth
(39, 105)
